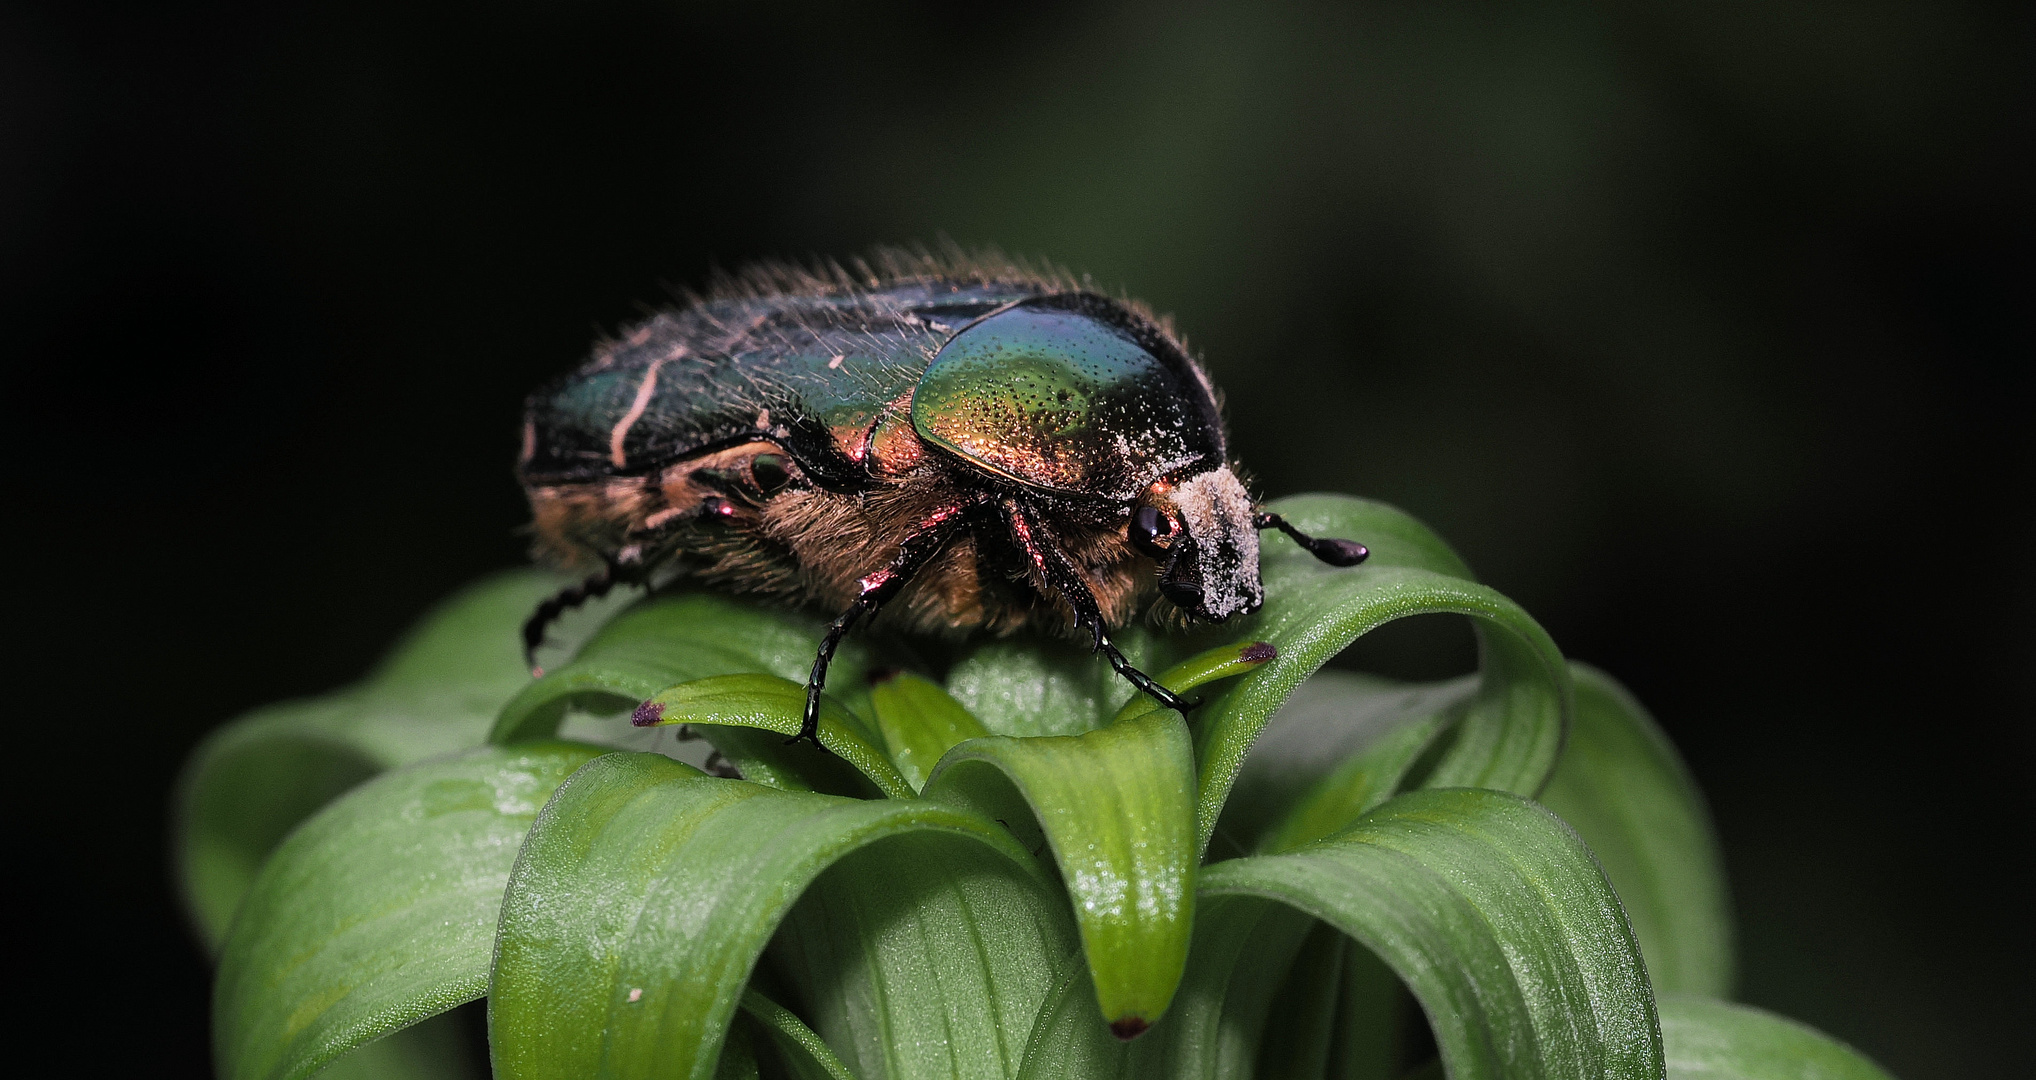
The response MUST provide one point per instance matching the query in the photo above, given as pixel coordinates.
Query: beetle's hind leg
(919, 548)
(1329, 550)
(1054, 566)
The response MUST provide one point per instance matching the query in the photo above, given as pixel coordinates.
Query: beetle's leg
(629, 567)
(1333, 552)
(564, 600)
(919, 548)
(1054, 567)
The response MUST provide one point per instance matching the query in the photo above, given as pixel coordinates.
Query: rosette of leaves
(1003, 868)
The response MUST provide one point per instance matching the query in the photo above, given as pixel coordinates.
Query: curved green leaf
(1116, 806)
(1300, 1027)
(1374, 1015)
(1708, 1039)
(1507, 736)
(1625, 790)
(921, 959)
(1221, 662)
(919, 722)
(1494, 914)
(1069, 1037)
(377, 912)
(738, 1054)
(431, 1049)
(436, 692)
(808, 1056)
(1342, 744)
(245, 789)
(687, 636)
(642, 899)
(667, 640)
(768, 703)
(1041, 686)
(1242, 950)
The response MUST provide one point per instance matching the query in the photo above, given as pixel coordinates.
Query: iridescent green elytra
(1062, 394)
(966, 446)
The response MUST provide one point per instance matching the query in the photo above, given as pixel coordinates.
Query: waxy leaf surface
(436, 692)
(1707, 1039)
(645, 894)
(804, 1052)
(670, 639)
(1496, 917)
(1116, 806)
(919, 723)
(1343, 743)
(378, 912)
(921, 959)
(1624, 789)
(768, 703)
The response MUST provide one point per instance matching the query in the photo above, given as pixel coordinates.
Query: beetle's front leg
(1061, 575)
(926, 541)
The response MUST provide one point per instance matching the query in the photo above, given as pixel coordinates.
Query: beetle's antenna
(1334, 552)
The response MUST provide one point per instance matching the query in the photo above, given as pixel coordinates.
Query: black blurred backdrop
(1702, 330)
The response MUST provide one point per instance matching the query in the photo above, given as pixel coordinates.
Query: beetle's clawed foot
(1328, 549)
(812, 737)
(809, 724)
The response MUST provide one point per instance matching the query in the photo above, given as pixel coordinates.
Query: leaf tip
(1127, 1028)
(649, 714)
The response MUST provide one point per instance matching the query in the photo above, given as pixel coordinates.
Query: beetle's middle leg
(921, 546)
(1054, 567)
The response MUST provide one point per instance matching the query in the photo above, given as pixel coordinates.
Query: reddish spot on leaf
(648, 714)
(1129, 1027)
(1258, 652)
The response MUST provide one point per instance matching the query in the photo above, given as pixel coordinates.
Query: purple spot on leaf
(1258, 652)
(648, 714)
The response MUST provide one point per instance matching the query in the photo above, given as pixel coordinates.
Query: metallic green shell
(1064, 391)
(1072, 394)
(796, 369)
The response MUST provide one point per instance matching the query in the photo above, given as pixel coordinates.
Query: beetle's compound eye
(1152, 531)
(770, 474)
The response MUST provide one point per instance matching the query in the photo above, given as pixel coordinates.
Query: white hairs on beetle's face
(1216, 510)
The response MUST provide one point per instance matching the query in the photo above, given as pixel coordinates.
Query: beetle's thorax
(1222, 560)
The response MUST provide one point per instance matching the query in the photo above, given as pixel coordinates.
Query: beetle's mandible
(963, 444)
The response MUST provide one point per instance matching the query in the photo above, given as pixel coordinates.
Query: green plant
(990, 875)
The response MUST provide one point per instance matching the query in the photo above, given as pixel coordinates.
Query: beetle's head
(1200, 533)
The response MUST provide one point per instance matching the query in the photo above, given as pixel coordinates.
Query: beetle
(964, 444)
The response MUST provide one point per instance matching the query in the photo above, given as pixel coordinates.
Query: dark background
(1702, 330)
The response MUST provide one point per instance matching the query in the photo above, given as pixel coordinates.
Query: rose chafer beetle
(963, 445)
